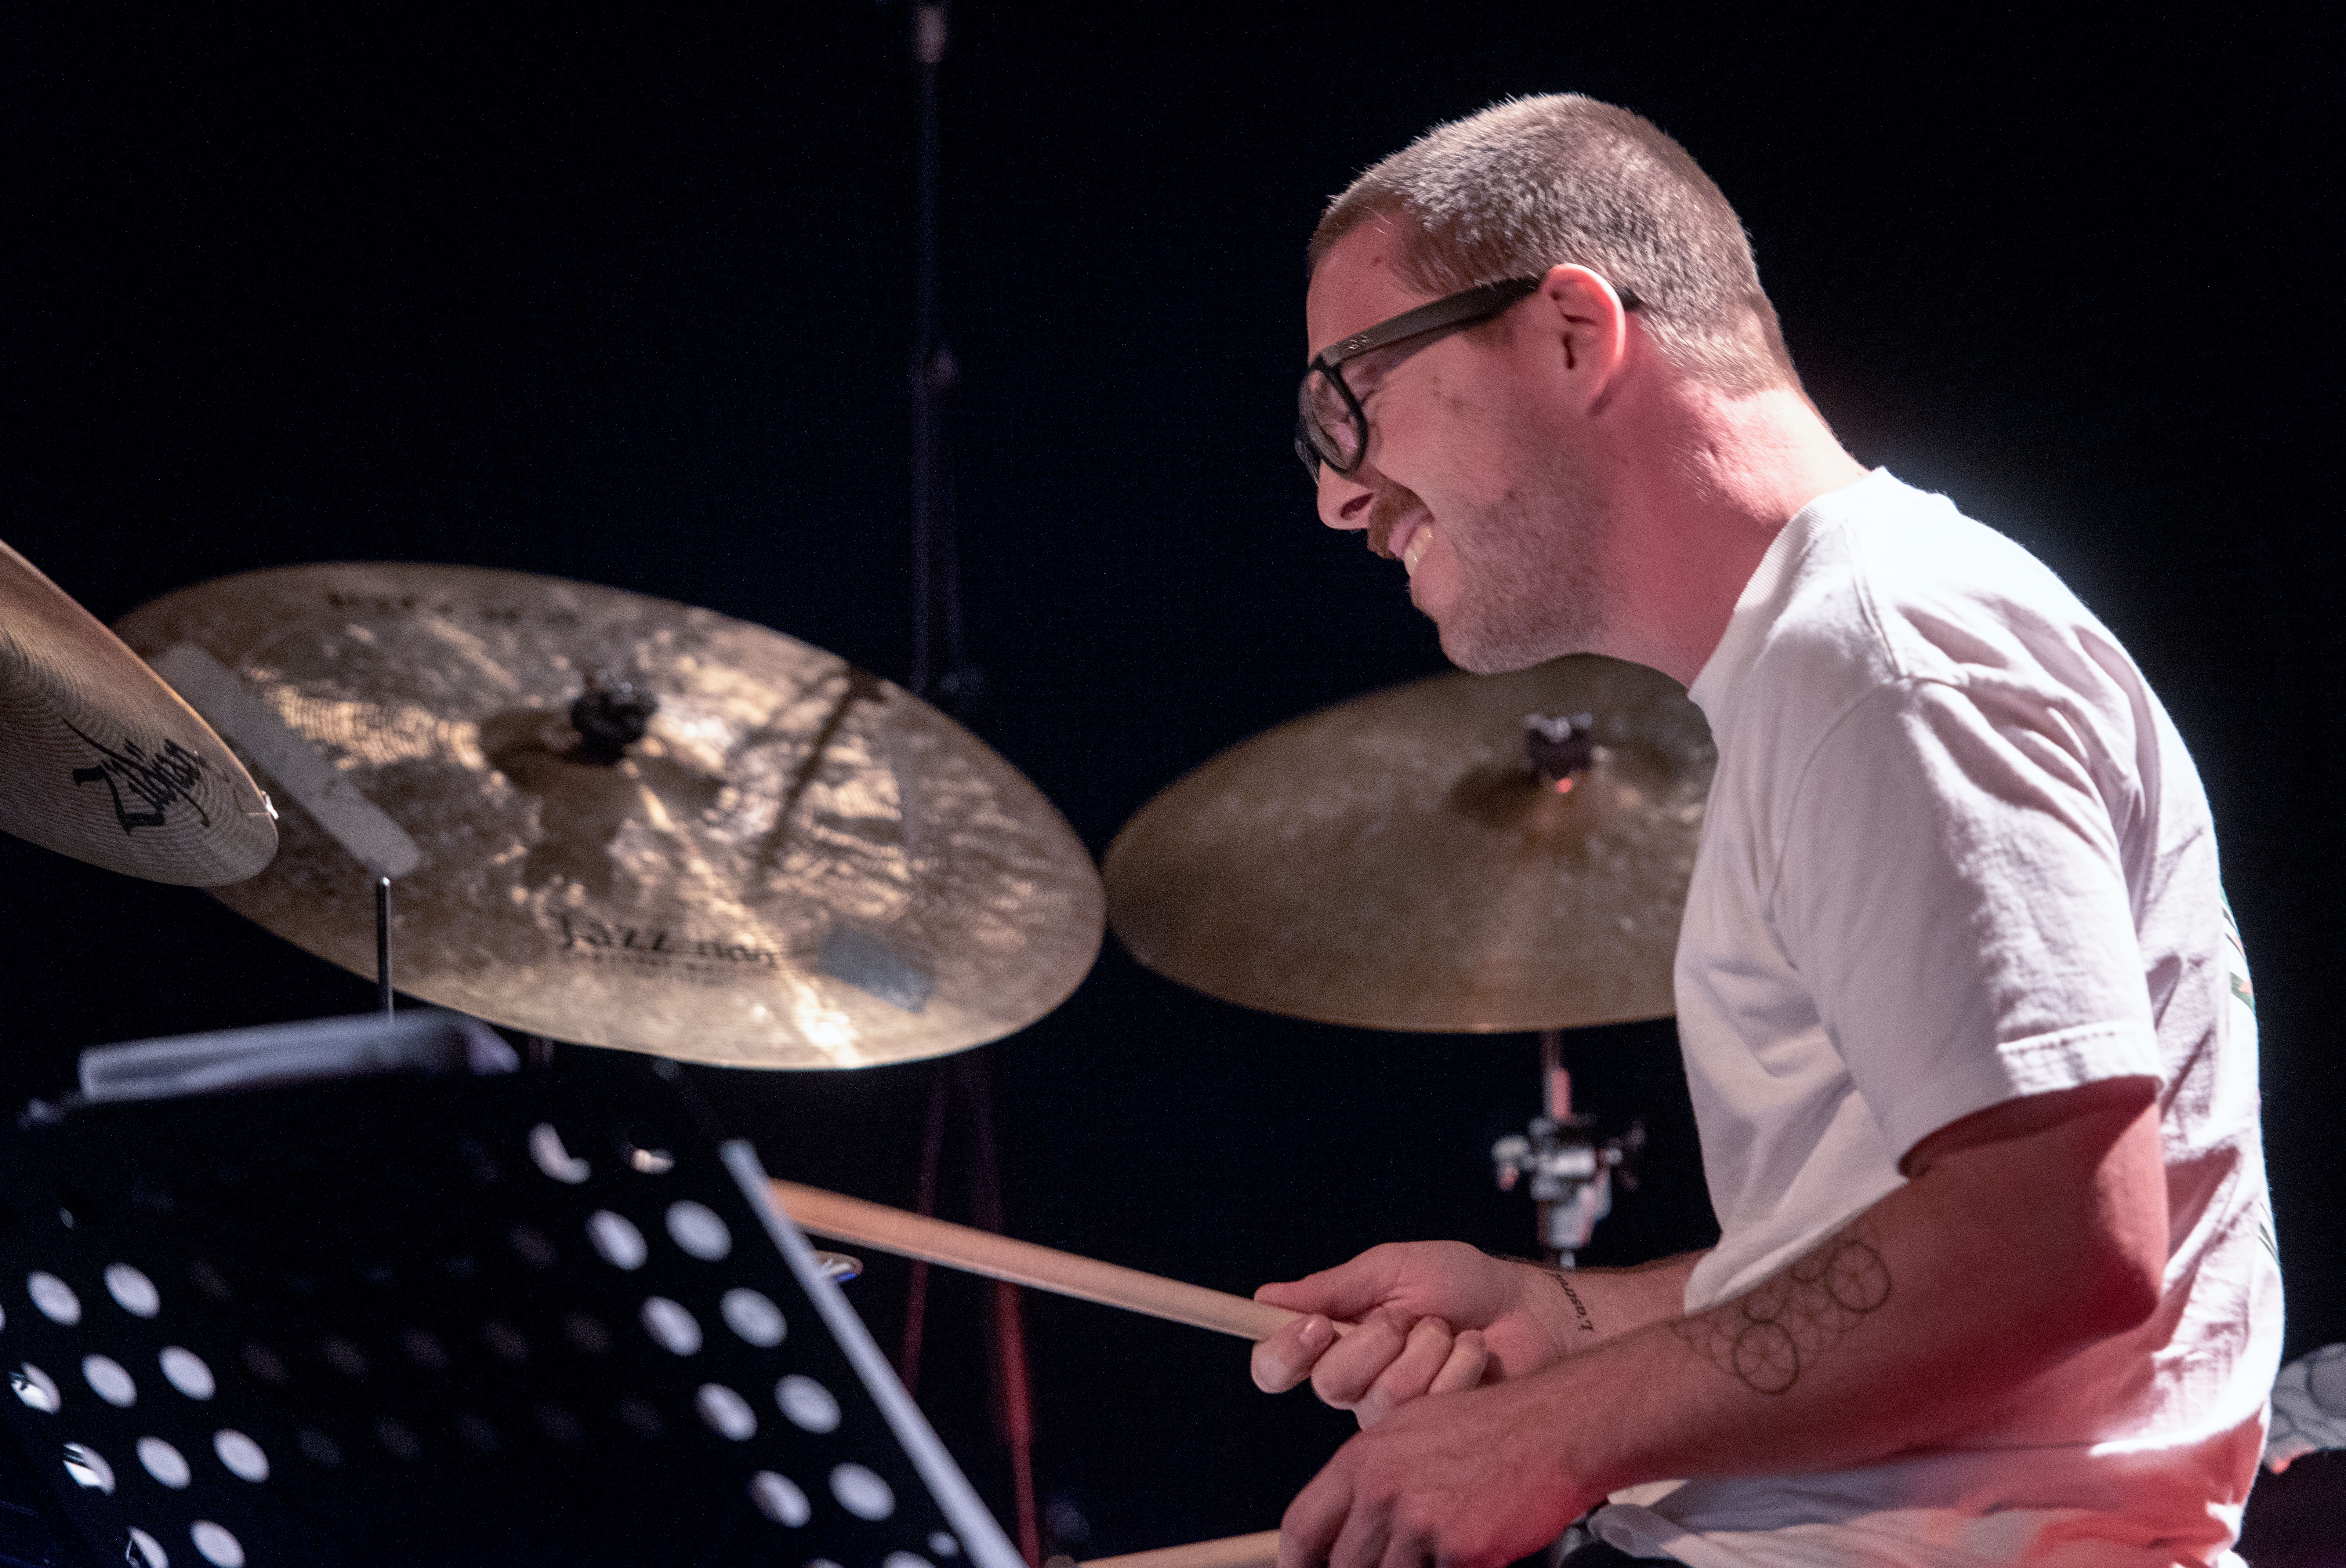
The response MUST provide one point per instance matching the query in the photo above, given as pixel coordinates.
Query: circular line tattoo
(1765, 1337)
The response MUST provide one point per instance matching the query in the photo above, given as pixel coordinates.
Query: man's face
(1463, 481)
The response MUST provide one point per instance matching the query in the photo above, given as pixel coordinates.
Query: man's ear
(1584, 317)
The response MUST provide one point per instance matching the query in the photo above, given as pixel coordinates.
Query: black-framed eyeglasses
(1331, 425)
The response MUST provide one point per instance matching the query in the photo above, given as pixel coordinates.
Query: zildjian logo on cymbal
(154, 782)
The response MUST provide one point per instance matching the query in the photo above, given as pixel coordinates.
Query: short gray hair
(1532, 182)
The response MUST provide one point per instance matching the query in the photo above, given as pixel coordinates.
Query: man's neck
(1710, 481)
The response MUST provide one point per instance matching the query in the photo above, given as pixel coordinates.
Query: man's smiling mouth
(1414, 550)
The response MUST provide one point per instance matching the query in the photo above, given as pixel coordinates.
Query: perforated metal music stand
(361, 1293)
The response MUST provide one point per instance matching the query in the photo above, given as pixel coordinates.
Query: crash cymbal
(740, 850)
(100, 760)
(1398, 861)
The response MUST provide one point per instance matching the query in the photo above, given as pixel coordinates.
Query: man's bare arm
(2005, 1253)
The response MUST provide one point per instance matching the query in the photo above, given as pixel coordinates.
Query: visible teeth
(1415, 550)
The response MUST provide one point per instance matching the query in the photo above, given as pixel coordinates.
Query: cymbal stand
(1571, 1173)
(382, 944)
(937, 617)
(937, 566)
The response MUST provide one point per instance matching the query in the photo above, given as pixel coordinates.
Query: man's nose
(1344, 498)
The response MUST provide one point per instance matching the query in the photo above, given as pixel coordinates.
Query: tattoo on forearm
(1586, 1325)
(1765, 1335)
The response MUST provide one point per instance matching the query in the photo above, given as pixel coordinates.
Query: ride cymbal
(631, 822)
(1398, 861)
(99, 759)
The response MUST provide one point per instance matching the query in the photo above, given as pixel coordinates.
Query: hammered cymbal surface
(1394, 862)
(100, 759)
(800, 865)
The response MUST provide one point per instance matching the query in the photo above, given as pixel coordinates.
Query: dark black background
(628, 299)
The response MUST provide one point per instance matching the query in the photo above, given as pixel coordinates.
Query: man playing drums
(1969, 1032)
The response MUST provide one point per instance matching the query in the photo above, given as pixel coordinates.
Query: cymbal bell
(1398, 861)
(99, 759)
(624, 821)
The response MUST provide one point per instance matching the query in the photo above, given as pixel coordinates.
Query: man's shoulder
(1894, 585)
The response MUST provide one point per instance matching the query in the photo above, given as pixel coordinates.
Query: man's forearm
(1916, 1319)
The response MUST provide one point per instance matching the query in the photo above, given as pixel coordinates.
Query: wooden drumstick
(1024, 1263)
(1260, 1550)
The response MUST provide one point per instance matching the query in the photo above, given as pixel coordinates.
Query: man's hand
(1446, 1481)
(1434, 1317)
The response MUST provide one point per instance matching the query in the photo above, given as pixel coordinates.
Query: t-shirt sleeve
(1949, 878)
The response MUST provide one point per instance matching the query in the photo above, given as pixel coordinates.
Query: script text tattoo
(1586, 1325)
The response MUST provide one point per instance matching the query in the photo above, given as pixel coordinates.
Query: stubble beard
(1530, 579)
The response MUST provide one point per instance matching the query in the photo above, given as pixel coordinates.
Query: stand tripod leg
(1013, 1390)
(1013, 1405)
(916, 1287)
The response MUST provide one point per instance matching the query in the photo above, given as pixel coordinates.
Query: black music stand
(364, 1293)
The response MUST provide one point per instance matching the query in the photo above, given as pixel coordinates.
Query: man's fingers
(1344, 1292)
(1404, 1548)
(1295, 1295)
(1307, 1531)
(1347, 1370)
(1286, 1358)
(1411, 1373)
(1366, 1532)
(1469, 1357)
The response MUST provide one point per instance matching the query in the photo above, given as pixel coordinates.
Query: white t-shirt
(1956, 853)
